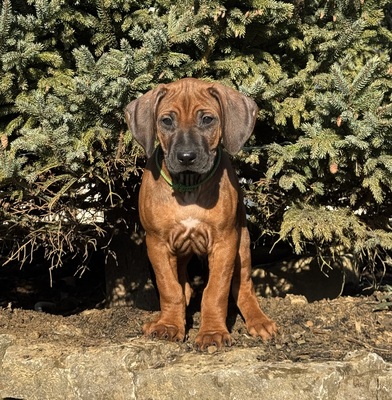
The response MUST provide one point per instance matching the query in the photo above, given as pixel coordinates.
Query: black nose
(186, 157)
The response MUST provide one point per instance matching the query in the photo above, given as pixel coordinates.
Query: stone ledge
(141, 369)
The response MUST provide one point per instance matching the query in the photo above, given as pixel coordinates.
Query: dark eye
(167, 121)
(207, 120)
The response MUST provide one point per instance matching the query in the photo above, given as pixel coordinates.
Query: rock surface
(326, 349)
(142, 369)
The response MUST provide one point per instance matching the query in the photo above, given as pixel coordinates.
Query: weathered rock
(141, 369)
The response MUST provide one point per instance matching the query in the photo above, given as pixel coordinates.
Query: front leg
(213, 328)
(170, 324)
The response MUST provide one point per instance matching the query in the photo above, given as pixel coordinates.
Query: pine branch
(5, 23)
(366, 75)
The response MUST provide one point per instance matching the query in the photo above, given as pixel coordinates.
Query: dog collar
(180, 187)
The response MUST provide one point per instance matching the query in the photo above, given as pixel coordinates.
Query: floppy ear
(239, 115)
(140, 117)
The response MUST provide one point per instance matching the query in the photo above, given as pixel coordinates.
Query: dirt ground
(319, 330)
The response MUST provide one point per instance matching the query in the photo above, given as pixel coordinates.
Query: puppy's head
(191, 118)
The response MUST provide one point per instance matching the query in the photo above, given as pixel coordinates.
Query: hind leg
(182, 264)
(257, 323)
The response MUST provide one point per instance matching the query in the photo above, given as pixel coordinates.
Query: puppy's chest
(190, 235)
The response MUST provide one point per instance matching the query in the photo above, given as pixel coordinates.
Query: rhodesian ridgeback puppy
(190, 203)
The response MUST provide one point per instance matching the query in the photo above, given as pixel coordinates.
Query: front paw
(263, 327)
(204, 339)
(164, 331)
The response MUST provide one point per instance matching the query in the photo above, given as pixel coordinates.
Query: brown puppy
(190, 203)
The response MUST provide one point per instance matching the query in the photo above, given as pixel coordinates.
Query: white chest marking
(190, 222)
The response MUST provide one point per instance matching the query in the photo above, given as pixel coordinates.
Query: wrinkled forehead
(187, 97)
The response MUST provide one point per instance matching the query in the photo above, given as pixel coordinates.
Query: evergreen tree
(317, 172)
(337, 171)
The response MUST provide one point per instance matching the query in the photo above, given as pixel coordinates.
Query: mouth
(186, 179)
(177, 169)
(200, 164)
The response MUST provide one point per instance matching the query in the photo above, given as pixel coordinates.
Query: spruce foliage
(317, 172)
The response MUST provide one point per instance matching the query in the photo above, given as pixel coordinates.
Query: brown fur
(191, 118)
